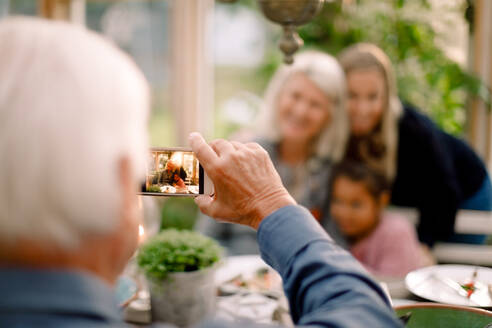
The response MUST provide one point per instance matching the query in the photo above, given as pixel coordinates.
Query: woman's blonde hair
(325, 72)
(364, 56)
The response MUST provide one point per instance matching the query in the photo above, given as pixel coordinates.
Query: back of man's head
(71, 106)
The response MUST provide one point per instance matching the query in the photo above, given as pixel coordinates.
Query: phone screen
(173, 172)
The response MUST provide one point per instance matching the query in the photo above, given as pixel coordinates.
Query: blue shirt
(43, 298)
(325, 285)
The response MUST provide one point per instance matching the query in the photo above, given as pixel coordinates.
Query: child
(385, 244)
(178, 183)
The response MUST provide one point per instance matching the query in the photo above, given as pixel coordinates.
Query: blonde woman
(430, 169)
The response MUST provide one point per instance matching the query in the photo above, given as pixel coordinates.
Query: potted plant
(180, 267)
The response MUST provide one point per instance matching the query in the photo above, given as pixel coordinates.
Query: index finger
(205, 154)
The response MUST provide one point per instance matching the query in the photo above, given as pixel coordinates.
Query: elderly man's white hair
(325, 72)
(71, 107)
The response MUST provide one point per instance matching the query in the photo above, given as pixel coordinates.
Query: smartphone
(175, 172)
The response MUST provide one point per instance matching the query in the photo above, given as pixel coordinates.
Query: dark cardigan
(436, 172)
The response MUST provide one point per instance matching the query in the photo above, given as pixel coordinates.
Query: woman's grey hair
(325, 72)
(71, 107)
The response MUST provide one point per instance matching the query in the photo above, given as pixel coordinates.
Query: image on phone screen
(173, 172)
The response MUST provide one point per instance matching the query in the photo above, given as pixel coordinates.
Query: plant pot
(184, 298)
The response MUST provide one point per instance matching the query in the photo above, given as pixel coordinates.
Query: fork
(457, 288)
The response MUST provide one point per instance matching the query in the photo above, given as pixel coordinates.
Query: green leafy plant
(177, 251)
(154, 188)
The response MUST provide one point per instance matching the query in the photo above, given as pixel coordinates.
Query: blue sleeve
(325, 285)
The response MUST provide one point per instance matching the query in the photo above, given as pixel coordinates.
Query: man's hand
(247, 186)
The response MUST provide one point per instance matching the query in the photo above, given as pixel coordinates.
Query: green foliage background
(179, 213)
(426, 77)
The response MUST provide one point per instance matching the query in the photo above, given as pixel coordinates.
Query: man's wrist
(269, 204)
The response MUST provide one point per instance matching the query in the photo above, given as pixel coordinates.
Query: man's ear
(125, 177)
(126, 237)
(384, 199)
(128, 190)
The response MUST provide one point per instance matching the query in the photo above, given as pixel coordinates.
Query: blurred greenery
(179, 213)
(228, 80)
(161, 128)
(177, 251)
(23, 7)
(426, 77)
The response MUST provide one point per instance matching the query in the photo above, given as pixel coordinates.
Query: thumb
(205, 204)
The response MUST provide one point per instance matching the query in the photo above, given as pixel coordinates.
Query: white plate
(429, 283)
(233, 266)
(246, 304)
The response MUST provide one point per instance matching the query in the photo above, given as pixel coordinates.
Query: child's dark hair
(375, 182)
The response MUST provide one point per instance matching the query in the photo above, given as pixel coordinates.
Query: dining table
(249, 289)
(240, 294)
